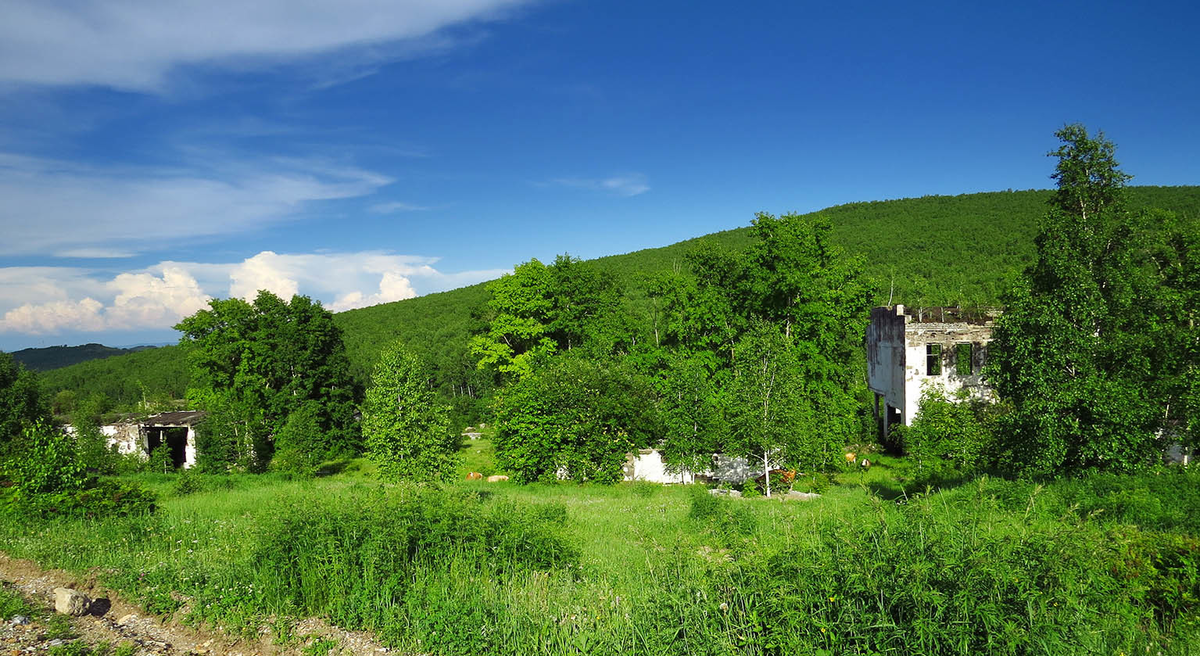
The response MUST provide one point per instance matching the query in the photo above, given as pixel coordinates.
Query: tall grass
(1099, 565)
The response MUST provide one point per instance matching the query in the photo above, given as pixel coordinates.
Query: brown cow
(851, 457)
(497, 478)
(474, 476)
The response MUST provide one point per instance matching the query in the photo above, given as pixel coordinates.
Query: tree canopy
(254, 364)
(1079, 348)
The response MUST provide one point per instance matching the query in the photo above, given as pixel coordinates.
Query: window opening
(933, 359)
(963, 364)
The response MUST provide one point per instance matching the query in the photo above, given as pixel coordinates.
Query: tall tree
(797, 278)
(692, 412)
(255, 364)
(406, 427)
(1074, 349)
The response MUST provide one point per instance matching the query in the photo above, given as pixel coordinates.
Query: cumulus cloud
(85, 315)
(50, 300)
(393, 287)
(265, 271)
(630, 184)
(71, 210)
(136, 44)
(142, 300)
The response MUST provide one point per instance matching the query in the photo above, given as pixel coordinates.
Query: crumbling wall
(919, 336)
(886, 354)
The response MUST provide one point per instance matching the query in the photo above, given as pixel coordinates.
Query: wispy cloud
(135, 44)
(626, 185)
(72, 210)
(396, 208)
(53, 300)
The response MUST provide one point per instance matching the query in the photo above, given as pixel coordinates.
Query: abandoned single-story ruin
(909, 350)
(174, 430)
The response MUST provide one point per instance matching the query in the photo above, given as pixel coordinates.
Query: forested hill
(934, 250)
(54, 357)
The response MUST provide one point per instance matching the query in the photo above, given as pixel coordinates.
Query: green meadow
(886, 561)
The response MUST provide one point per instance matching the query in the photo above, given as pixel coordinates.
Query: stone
(126, 619)
(71, 602)
(19, 620)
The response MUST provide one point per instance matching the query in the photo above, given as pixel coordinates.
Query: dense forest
(928, 251)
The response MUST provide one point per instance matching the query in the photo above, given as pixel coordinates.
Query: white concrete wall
(948, 335)
(647, 465)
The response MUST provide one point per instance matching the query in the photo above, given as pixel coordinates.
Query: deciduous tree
(406, 428)
(255, 364)
(1074, 349)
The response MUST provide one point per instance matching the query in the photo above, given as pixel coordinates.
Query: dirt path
(121, 624)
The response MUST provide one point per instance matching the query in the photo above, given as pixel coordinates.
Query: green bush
(950, 429)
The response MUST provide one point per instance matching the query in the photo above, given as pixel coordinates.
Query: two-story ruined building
(909, 350)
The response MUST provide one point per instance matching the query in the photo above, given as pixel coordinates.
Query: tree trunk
(767, 474)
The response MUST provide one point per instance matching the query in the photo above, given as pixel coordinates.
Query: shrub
(46, 479)
(300, 445)
(573, 417)
(950, 429)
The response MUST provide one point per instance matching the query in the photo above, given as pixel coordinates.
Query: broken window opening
(933, 359)
(963, 359)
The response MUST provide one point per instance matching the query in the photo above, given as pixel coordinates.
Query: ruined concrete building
(176, 431)
(909, 350)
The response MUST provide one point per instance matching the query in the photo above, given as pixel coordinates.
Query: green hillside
(934, 250)
(54, 357)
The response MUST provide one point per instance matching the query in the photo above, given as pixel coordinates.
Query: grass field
(879, 564)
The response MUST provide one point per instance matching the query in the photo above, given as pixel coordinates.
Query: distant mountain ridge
(56, 357)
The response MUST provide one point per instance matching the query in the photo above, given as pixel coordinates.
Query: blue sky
(155, 154)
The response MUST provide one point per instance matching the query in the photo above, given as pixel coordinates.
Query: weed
(319, 647)
(12, 603)
(59, 628)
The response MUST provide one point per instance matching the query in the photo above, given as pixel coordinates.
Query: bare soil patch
(115, 622)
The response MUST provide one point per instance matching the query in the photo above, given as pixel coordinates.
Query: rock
(126, 619)
(19, 620)
(497, 478)
(71, 602)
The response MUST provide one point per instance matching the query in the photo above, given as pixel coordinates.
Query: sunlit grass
(880, 563)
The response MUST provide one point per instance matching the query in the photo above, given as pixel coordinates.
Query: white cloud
(137, 44)
(265, 271)
(393, 287)
(51, 300)
(53, 317)
(626, 185)
(146, 300)
(142, 300)
(77, 211)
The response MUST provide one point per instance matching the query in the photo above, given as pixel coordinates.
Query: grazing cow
(866, 464)
(497, 478)
(851, 458)
(474, 476)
